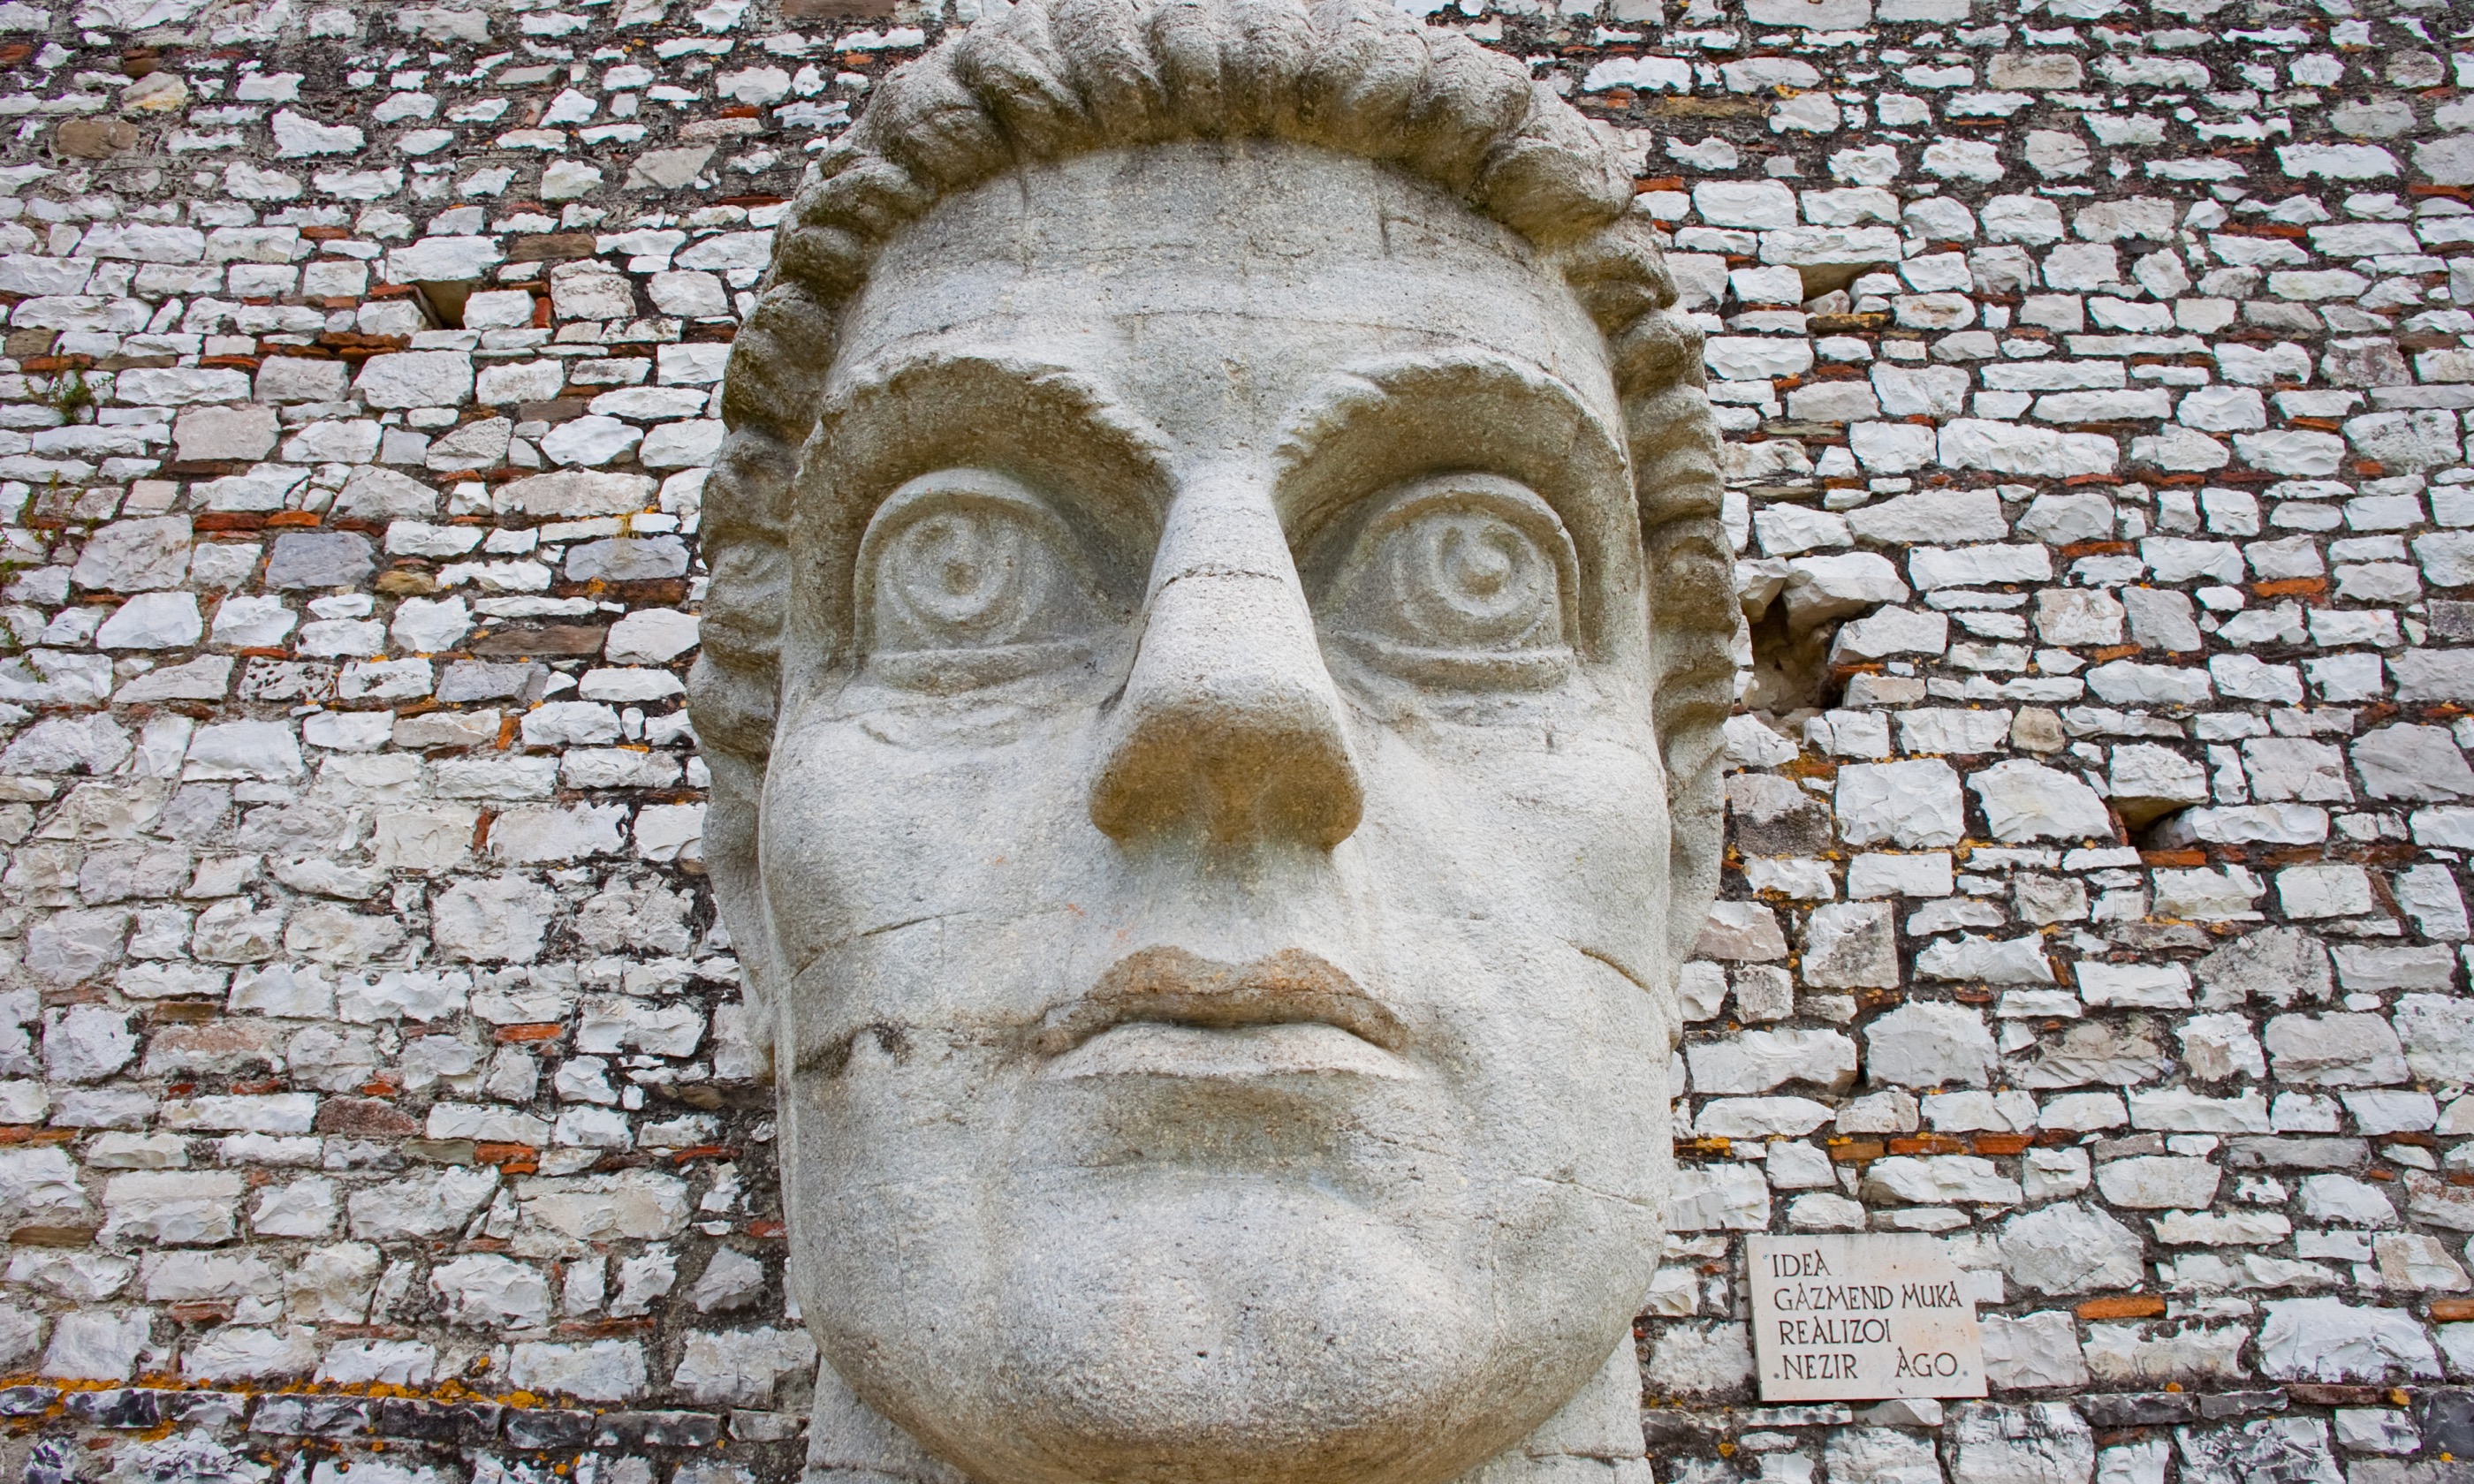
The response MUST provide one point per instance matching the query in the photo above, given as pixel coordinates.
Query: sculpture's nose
(1229, 726)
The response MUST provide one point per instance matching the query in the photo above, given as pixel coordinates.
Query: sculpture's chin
(1269, 1340)
(1221, 1333)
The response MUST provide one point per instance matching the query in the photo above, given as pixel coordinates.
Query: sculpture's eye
(1463, 580)
(966, 574)
(967, 578)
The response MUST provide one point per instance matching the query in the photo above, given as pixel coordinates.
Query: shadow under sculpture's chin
(1595, 1439)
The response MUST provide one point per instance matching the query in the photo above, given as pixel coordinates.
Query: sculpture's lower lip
(1237, 1053)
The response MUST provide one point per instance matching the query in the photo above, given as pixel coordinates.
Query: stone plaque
(1854, 1318)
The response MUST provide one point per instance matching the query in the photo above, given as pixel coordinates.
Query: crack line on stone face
(896, 927)
(1571, 1182)
(1634, 979)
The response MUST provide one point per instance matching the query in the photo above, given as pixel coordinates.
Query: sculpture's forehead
(1203, 280)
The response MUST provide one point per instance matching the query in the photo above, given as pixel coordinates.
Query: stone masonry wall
(373, 1097)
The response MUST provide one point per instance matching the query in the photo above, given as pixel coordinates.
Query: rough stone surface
(2331, 1340)
(2040, 1442)
(1925, 1046)
(2069, 1249)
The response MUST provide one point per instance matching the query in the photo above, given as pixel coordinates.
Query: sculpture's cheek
(876, 821)
(1547, 811)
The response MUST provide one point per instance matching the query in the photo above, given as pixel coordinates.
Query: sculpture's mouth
(1166, 1012)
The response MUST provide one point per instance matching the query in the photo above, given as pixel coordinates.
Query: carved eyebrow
(894, 389)
(1468, 409)
(877, 376)
(1339, 399)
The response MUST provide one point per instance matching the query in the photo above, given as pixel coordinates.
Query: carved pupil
(1470, 578)
(963, 574)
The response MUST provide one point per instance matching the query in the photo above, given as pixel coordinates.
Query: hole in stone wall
(1790, 670)
(2147, 814)
(441, 303)
(2169, 832)
(1821, 279)
(1784, 650)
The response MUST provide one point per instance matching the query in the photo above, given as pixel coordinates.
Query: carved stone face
(1216, 834)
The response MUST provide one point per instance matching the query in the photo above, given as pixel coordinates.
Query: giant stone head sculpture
(1218, 634)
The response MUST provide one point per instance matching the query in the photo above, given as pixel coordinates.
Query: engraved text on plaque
(1847, 1318)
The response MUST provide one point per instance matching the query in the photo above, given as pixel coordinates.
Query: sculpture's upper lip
(1171, 986)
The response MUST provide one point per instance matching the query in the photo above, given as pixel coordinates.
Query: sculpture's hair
(1050, 79)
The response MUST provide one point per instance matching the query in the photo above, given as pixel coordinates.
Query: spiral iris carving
(1470, 579)
(966, 574)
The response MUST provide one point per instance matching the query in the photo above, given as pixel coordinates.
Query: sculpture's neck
(1595, 1439)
